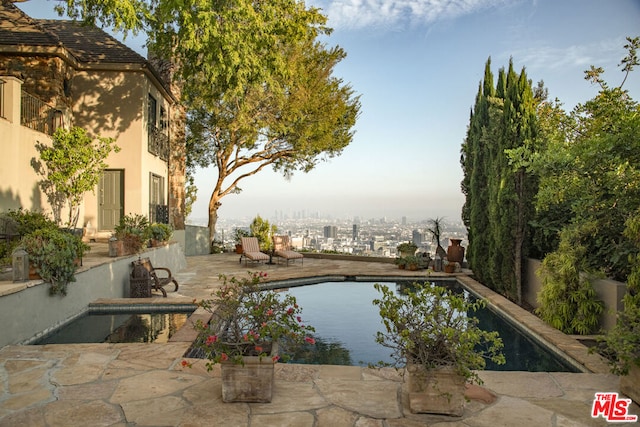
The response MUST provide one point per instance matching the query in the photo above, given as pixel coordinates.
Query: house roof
(87, 46)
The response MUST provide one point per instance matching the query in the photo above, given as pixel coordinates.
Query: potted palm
(238, 234)
(132, 233)
(437, 343)
(250, 330)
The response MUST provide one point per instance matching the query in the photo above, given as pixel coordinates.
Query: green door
(110, 199)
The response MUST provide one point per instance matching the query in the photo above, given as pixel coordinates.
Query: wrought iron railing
(38, 115)
(158, 143)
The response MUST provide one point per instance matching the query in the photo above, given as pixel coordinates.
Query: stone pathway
(146, 385)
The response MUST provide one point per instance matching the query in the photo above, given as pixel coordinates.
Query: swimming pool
(346, 322)
(121, 324)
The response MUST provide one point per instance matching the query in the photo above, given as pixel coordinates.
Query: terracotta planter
(435, 391)
(158, 243)
(33, 274)
(239, 249)
(250, 382)
(455, 252)
(629, 384)
(450, 268)
(412, 267)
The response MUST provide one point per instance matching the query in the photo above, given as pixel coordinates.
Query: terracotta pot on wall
(455, 252)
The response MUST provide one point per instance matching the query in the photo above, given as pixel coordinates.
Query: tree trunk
(214, 205)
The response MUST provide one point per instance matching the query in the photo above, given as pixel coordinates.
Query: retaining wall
(30, 312)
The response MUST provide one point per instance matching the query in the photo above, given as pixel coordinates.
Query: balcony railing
(158, 143)
(38, 115)
(158, 213)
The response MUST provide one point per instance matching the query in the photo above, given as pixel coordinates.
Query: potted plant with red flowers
(250, 330)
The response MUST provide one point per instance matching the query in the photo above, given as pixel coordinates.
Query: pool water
(346, 322)
(118, 327)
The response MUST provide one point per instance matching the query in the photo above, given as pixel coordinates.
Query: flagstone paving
(146, 384)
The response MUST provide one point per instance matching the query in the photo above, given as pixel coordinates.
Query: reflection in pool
(346, 322)
(118, 327)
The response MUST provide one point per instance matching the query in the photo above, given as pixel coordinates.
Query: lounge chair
(282, 249)
(157, 283)
(251, 250)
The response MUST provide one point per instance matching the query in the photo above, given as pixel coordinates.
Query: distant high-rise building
(356, 231)
(404, 220)
(417, 237)
(330, 231)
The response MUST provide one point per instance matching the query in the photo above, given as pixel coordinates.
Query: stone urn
(455, 252)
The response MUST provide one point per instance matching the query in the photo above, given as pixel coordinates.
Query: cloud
(358, 14)
(604, 53)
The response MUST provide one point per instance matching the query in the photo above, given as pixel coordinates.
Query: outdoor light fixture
(20, 265)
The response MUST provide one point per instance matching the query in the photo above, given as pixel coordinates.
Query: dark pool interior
(346, 322)
(120, 325)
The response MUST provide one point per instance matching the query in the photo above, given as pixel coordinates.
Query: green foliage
(264, 231)
(239, 233)
(416, 262)
(567, 300)
(54, 252)
(29, 221)
(407, 248)
(20, 222)
(430, 326)
(622, 343)
(122, 15)
(160, 231)
(499, 191)
(590, 173)
(134, 231)
(248, 321)
(71, 167)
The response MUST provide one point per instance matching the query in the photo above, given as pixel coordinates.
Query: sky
(416, 65)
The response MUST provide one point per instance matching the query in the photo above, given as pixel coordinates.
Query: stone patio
(146, 385)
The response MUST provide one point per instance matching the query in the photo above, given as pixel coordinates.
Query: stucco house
(59, 73)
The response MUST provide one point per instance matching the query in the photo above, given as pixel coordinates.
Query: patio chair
(282, 249)
(251, 250)
(158, 283)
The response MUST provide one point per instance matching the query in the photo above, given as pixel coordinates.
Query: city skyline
(417, 65)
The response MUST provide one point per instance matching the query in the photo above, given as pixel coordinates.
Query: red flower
(290, 310)
(211, 339)
(270, 312)
(310, 340)
(258, 349)
(224, 357)
(275, 358)
(185, 364)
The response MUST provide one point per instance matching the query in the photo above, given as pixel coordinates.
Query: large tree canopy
(257, 83)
